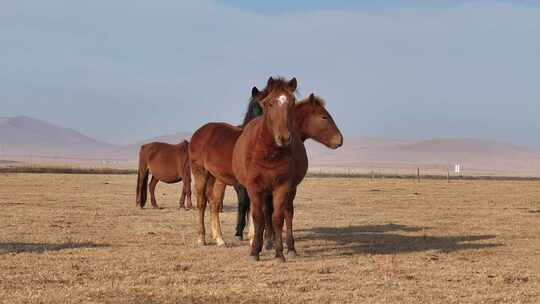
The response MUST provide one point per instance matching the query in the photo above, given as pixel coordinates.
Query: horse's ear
(270, 82)
(255, 92)
(293, 84)
(312, 98)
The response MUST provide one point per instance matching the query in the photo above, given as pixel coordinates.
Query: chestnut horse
(167, 163)
(210, 153)
(313, 121)
(269, 157)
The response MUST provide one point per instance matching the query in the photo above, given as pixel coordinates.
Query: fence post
(418, 174)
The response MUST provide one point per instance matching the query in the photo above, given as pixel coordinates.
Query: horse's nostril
(283, 140)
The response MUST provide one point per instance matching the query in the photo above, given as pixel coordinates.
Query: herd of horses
(264, 159)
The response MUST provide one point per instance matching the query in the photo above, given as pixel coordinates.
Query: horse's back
(166, 161)
(212, 147)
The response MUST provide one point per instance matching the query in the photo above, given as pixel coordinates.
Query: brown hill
(24, 138)
(432, 156)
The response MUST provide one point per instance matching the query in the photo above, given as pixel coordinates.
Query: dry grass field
(80, 239)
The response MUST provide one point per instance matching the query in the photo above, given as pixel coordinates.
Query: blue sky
(285, 6)
(127, 70)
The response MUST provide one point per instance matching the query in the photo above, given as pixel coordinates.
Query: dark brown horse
(269, 157)
(167, 163)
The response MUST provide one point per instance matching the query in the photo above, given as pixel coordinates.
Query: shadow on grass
(379, 239)
(17, 247)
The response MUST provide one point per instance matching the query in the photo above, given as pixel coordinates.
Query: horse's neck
(300, 115)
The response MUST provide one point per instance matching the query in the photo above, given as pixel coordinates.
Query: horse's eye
(324, 117)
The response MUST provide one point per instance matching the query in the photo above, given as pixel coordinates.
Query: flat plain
(68, 238)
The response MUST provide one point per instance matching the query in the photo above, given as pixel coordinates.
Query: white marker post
(457, 169)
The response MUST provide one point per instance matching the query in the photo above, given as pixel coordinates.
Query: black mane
(254, 110)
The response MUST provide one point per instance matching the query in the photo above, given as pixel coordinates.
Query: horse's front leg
(289, 214)
(268, 227)
(279, 201)
(257, 218)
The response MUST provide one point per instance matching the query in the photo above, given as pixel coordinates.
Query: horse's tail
(142, 181)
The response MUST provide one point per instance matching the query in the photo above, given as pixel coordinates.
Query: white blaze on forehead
(282, 99)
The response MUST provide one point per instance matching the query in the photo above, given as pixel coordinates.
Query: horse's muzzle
(337, 142)
(283, 140)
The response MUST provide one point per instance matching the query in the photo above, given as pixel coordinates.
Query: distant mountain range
(28, 139)
(23, 135)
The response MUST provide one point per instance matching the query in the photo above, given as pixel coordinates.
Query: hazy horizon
(125, 71)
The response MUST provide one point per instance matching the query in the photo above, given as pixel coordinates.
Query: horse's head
(256, 110)
(316, 123)
(278, 101)
(254, 107)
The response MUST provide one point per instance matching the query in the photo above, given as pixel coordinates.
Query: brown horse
(167, 163)
(269, 157)
(212, 146)
(313, 122)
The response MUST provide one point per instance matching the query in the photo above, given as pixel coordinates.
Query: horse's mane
(254, 109)
(316, 99)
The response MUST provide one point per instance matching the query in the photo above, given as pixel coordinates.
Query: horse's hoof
(201, 243)
(292, 253)
(280, 259)
(253, 258)
(189, 207)
(239, 238)
(221, 243)
(268, 244)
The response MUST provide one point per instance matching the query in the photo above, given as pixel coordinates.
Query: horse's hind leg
(153, 184)
(181, 203)
(200, 177)
(243, 209)
(186, 182)
(220, 202)
(216, 200)
(186, 189)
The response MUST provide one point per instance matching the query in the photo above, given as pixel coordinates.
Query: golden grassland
(80, 239)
